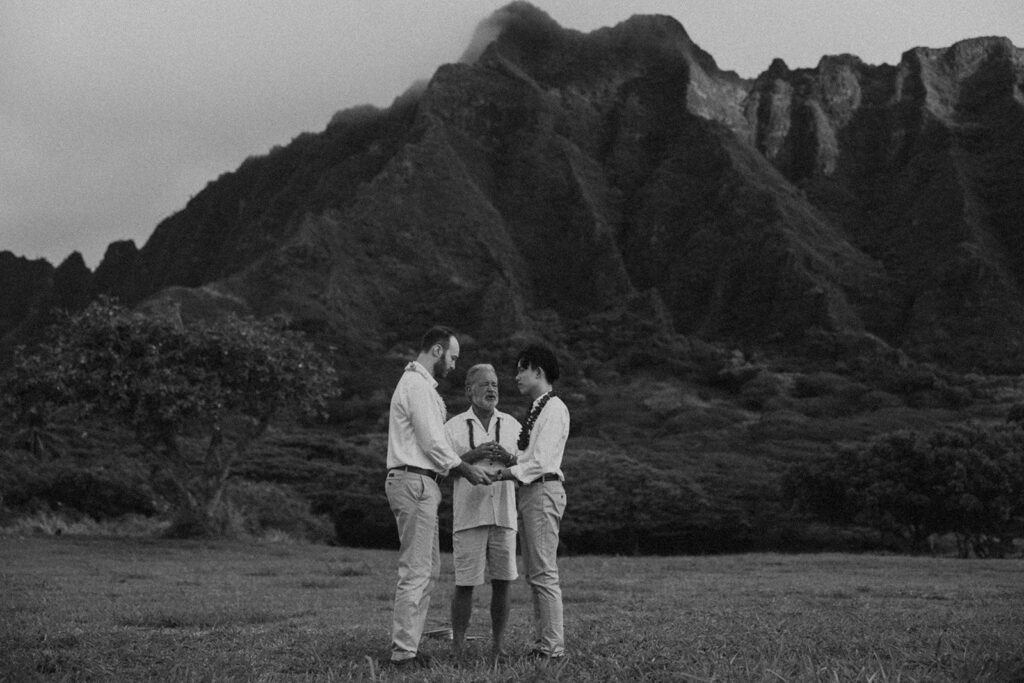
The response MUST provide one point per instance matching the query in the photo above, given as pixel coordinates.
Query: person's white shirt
(543, 454)
(416, 435)
(494, 504)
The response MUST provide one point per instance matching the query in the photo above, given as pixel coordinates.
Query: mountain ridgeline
(552, 175)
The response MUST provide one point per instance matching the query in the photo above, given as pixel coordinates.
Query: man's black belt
(544, 477)
(436, 476)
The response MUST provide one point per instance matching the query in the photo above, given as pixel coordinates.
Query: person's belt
(436, 476)
(544, 477)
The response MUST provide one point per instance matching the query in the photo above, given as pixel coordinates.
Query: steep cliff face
(918, 164)
(253, 211)
(118, 274)
(22, 283)
(555, 173)
(36, 293)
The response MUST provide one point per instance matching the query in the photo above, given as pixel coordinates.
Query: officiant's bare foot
(498, 657)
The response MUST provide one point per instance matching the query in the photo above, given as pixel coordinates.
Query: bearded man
(419, 457)
(484, 517)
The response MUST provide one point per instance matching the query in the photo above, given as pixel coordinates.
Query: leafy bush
(60, 522)
(99, 490)
(363, 518)
(342, 478)
(877, 399)
(196, 396)
(620, 505)
(966, 480)
(955, 396)
(263, 506)
(820, 384)
(904, 381)
(734, 375)
(761, 389)
(826, 406)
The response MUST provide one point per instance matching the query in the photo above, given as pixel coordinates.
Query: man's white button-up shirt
(416, 424)
(543, 455)
(494, 504)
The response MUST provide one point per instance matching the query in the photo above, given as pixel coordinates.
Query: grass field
(74, 608)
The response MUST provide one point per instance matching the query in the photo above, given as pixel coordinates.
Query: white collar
(541, 397)
(469, 414)
(417, 367)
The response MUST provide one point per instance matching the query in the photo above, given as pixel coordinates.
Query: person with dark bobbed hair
(542, 500)
(539, 357)
(419, 457)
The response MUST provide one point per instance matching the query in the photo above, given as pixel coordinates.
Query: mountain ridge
(556, 171)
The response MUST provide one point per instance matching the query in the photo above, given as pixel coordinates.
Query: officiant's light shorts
(491, 548)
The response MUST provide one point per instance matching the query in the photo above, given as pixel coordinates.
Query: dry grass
(51, 523)
(109, 609)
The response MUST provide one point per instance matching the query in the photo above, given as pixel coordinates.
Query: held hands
(473, 474)
(479, 476)
(493, 451)
(501, 475)
(501, 455)
(481, 452)
(496, 452)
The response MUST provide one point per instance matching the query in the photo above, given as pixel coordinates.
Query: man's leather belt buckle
(436, 476)
(545, 477)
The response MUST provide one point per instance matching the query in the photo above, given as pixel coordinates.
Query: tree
(622, 505)
(39, 433)
(966, 480)
(195, 395)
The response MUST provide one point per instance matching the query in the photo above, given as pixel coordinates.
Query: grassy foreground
(75, 608)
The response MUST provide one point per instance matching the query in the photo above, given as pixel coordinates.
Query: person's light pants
(414, 499)
(541, 507)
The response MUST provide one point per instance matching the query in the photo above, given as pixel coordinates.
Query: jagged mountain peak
(553, 175)
(968, 53)
(520, 31)
(516, 22)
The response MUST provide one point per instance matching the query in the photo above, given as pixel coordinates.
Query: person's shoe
(540, 654)
(419, 661)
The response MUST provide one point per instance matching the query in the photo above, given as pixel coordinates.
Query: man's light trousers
(414, 499)
(541, 506)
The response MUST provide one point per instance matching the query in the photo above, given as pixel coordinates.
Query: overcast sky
(113, 113)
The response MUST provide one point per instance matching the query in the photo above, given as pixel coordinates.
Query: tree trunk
(207, 513)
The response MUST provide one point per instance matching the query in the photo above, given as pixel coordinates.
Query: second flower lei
(524, 435)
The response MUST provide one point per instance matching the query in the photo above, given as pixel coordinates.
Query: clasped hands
(493, 451)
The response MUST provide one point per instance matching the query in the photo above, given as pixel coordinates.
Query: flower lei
(524, 435)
